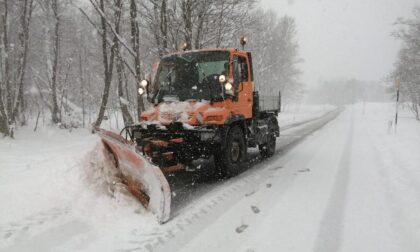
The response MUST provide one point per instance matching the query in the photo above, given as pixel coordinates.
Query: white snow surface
(353, 185)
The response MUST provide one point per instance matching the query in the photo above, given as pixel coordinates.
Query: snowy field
(353, 185)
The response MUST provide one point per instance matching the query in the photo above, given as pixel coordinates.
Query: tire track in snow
(202, 213)
(226, 194)
(331, 225)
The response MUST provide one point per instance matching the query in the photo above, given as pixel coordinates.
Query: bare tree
(276, 54)
(45, 67)
(4, 125)
(4, 121)
(25, 20)
(408, 63)
(123, 102)
(108, 61)
(6, 45)
(56, 51)
(187, 16)
(135, 41)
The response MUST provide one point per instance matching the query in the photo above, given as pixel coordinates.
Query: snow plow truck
(203, 105)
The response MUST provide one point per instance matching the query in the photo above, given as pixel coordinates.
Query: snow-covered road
(351, 186)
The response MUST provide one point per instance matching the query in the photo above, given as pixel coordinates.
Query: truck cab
(223, 78)
(203, 104)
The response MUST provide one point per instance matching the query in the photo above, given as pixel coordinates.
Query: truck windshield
(190, 76)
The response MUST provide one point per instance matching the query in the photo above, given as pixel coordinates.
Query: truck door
(243, 86)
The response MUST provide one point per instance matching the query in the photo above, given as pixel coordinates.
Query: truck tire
(229, 160)
(269, 148)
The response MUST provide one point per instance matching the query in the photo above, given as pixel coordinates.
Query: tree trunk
(4, 122)
(9, 92)
(418, 112)
(135, 41)
(187, 18)
(82, 86)
(164, 24)
(55, 110)
(415, 108)
(128, 119)
(4, 125)
(159, 26)
(108, 64)
(24, 42)
(220, 25)
(200, 20)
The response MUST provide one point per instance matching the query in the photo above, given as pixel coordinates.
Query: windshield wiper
(209, 84)
(166, 78)
(202, 71)
(182, 57)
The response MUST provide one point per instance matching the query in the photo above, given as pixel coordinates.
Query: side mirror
(244, 73)
(236, 80)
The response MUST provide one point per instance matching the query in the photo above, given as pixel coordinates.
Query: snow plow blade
(143, 179)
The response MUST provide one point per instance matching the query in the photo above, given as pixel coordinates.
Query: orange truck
(203, 104)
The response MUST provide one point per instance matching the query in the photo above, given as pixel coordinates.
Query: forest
(77, 63)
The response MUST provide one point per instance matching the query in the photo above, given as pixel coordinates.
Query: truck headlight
(144, 83)
(229, 88)
(141, 91)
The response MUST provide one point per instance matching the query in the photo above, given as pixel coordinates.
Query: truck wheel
(268, 149)
(228, 161)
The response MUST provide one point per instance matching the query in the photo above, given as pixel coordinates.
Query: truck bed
(268, 103)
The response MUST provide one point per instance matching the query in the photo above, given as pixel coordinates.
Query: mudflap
(143, 179)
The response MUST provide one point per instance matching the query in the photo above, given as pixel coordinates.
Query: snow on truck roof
(231, 50)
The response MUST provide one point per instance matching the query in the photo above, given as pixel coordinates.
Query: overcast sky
(345, 38)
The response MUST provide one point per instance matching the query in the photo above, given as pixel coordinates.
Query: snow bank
(56, 182)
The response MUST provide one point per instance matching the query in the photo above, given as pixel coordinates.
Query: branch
(99, 30)
(121, 40)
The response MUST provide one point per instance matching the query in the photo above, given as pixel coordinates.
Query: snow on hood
(178, 111)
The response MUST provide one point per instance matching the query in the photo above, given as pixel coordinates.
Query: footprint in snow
(255, 209)
(241, 228)
(304, 170)
(276, 168)
(250, 193)
(268, 185)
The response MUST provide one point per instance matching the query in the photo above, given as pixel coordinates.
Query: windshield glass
(191, 75)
